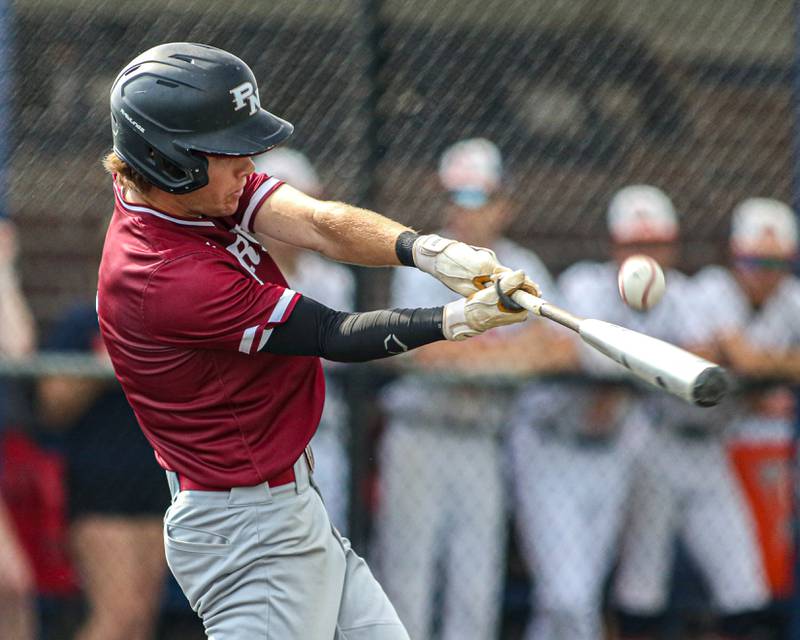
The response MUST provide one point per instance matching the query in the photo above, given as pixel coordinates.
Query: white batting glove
(483, 310)
(461, 267)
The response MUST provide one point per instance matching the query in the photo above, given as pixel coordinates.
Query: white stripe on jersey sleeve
(248, 336)
(264, 338)
(255, 199)
(277, 314)
(280, 307)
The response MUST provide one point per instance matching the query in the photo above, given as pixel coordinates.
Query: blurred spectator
(573, 445)
(759, 329)
(18, 337)
(17, 586)
(117, 493)
(683, 483)
(332, 284)
(441, 527)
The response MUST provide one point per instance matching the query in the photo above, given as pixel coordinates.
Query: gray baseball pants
(264, 563)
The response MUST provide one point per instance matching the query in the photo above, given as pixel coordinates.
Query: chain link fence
(476, 523)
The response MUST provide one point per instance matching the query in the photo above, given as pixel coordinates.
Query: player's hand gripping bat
(659, 363)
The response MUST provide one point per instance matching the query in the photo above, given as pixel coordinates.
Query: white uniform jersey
(725, 308)
(693, 312)
(330, 283)
(721, 300)
(433, 402)
(571, 460)
(684, 483)
(775, 326)
(443, 500)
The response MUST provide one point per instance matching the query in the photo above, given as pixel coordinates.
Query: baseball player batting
(219, 358)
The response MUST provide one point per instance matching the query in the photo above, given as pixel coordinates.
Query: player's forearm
(358, 236)
(339, 231)
(349, 234)
(316, 330)
(785, 365)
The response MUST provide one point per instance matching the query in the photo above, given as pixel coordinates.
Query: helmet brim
(259, 133)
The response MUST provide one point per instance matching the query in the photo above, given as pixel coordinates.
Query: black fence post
(360, 381)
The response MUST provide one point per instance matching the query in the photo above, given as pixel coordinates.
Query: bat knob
(710, 387)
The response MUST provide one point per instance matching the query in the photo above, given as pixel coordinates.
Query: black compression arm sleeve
(315, 330)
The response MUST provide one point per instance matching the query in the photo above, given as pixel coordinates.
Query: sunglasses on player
(772, 263)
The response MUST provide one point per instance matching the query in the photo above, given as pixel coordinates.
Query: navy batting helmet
(180, 100)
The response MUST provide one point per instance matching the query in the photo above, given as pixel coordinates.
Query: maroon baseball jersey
(186, 307)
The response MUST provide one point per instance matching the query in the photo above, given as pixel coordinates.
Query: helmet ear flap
(185, 172)
(169, 169)
(176, 171)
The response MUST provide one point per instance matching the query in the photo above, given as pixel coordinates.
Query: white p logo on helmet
(246, 94)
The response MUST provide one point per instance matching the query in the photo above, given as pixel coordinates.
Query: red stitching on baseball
(621, 286)
(653, 270)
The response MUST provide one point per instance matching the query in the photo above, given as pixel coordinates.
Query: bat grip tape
(505, 300)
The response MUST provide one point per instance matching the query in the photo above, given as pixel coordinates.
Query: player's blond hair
(127, 176)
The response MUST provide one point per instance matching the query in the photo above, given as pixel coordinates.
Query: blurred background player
(116, 490)
(17, 585)
(683, 483)
(573, 445)
(441, 529)
(332, 284)
(17, 339)
(756, 305)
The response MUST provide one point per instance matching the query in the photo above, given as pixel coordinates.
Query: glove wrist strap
(454, 321)
(404, 248)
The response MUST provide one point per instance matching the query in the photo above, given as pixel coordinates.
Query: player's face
(226, 179)
(761, 268)
(760, 275)
(481, 226)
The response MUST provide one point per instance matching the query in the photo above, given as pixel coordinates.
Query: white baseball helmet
(764, 226)
(471, 170)
(291, 166)
(641, 213)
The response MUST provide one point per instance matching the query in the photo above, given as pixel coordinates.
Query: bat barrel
(710, 386)
(659, 363)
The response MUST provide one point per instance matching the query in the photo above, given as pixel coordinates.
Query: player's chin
(227, 208)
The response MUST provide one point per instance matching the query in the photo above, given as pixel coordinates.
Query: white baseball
(641, 282)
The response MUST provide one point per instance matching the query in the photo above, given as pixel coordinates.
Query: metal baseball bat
(659, 363)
